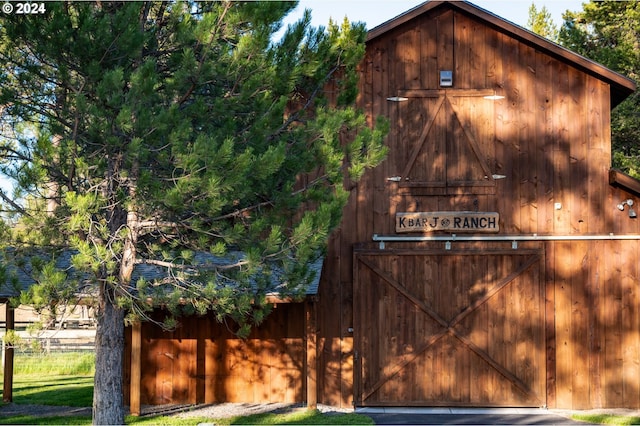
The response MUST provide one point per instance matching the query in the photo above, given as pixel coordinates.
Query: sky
(375, 12)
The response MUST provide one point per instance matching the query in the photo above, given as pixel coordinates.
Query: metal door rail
(513, 238)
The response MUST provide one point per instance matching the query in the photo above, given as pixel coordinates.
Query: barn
(491, 260)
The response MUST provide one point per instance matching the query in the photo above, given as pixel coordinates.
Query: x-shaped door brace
(449, 328)
(427, 128)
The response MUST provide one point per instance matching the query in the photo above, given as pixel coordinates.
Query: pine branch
(183, 267)
(13, 204)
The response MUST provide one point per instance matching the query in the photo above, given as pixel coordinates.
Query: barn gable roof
(621, 86)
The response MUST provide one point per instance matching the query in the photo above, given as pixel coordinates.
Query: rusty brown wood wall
(203, 361)
(550, 138)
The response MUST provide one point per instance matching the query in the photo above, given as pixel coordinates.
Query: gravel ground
(42, 410)
(231, 410)
(210, 411)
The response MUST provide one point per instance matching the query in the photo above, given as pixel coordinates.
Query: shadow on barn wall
(203, 361)
(548, 142)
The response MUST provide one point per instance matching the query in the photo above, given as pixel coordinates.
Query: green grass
(53, 379)
(72, 391)
(607, 419)
(65, 363)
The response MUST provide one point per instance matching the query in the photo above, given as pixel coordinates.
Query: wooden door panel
(428, 147)
(457, 329)
(172, 378)
(450, 148)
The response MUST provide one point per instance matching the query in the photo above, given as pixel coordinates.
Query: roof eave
(622, 180)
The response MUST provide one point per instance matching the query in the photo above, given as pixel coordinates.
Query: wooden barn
(491, 260)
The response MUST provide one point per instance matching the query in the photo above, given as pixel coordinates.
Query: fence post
(7, 392)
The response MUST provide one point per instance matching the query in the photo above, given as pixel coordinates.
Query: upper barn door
(449, 142)
(454, 328)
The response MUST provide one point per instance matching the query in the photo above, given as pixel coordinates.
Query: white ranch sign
(447, 221)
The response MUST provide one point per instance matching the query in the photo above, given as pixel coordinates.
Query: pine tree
(608, 32)
(179, 135)
(541, 23)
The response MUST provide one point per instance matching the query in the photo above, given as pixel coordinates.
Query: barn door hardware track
(512, 238)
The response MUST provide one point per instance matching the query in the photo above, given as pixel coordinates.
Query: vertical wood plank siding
(550, 137)
(204, 362)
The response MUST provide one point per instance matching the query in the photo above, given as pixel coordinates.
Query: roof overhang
(621, 86)
(622, 180)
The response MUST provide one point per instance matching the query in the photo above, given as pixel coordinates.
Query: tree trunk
(108, 398)
(108, 404)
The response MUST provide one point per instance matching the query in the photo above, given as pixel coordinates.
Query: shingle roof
(21, 278)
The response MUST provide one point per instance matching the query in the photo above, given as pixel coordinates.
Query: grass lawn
(53, 379)
(607, 419)
(72, 391)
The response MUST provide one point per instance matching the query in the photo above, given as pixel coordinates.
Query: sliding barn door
(449, 328)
